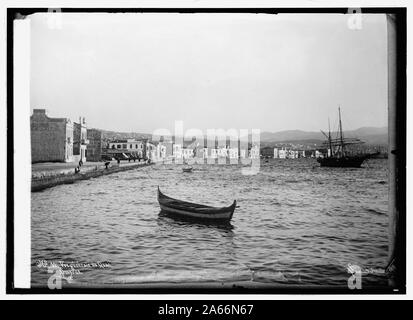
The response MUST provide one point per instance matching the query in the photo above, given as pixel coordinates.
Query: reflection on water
(177, 221)
(296, 223)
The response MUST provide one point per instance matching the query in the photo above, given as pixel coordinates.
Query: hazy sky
(139, 72)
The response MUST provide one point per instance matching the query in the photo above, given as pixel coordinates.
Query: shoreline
(39, 183)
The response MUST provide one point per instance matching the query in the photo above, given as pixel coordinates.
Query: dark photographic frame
(397, 157)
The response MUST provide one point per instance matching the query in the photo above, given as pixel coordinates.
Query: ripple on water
(296, 224)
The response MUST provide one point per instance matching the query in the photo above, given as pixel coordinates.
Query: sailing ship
(338, 155)
(186, 209)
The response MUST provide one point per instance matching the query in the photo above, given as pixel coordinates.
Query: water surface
(296, 223)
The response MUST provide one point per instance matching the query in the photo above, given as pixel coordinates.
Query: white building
(128, 144)
(283, 154)
(222, 152)
(318, 154)
(233, 153)
(255, 152)
(187, 153)
(161, 152)
(204, 152)
(177, 151)
(132, 146)
(151, 151)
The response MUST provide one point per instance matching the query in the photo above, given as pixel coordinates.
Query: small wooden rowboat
(193, 210)
(187, 169)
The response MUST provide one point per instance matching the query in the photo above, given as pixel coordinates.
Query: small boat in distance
(191, 210)
(337, 155)
(186, 167)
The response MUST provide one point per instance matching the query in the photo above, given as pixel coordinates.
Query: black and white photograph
(190, 150)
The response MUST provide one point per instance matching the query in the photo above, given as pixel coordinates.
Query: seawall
(39, 183)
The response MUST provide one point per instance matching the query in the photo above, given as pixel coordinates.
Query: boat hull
(184, 209)
(348, 162)
(218, 216)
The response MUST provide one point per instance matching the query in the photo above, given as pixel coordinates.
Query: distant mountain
(371, 135)
(114, 135)
(290, 135)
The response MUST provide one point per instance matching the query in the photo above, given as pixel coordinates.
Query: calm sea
(296, 223)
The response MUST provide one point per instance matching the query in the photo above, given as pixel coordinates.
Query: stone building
(51, 138)
(94, 148)
(80, 141)
(136, 148)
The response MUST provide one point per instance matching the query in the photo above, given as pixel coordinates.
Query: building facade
(80, 141)
(133, 147)
(94, 148)
(51, 138)
(289, 154)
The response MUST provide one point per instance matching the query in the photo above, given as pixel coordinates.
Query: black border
(400, 12)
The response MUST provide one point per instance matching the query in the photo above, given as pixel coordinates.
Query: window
(136, 146)
(130, 146)
(113, 146)
(119, 146)
(124, 146)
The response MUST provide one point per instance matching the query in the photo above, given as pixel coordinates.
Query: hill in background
(370, 135)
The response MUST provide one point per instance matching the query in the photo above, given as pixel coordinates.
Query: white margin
(22, 154)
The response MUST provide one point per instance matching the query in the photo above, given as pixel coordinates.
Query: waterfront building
(80, 141)
(275, 153)
(255, 152)
(233, 153)
(187, 153)
(205, 153)
(290, 154)
(177, 151)
(161, 151)
(283, 154)
(136, 148)
(293, 154)
(94, 148)
(222, 152)
(51, 138)
(131, 145)
(150, 151)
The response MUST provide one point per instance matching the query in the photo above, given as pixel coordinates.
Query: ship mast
(341, 132)
(329, 138)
